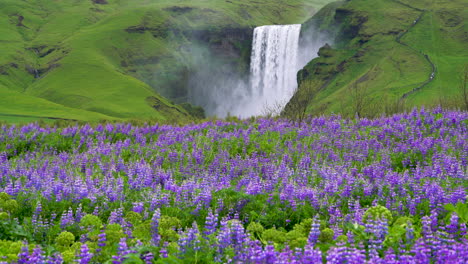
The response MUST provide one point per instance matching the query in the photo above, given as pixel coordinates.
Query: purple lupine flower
(426, 226)
(116, 216)
(211, 224)
(23, 256)
(148, 258)
(434, 220)
(340, 255)
(84, 238)
(36, 218)
(232, 235)
(85, 256)
(55, 259)
(138, 207)
(163, 252)
(35, 257)
(155, 237)
(314, 233)
(350, 236)
(101, 240)
(311, 255)
(190, 239)
(79, 213)
(409, 233)
(122, 251)
(452, 227)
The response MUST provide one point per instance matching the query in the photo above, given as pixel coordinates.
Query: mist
(217, 85)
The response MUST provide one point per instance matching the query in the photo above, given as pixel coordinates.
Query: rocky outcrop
(156, 31)
(226, 42)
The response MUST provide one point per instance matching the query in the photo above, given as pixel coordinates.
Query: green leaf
(449, 207)
(133, 259)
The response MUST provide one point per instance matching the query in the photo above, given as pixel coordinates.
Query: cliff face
(387, 55)
(226, 42)
(193, 49)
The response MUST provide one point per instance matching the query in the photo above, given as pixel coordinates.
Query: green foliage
(114, 233)
(342, 239)
(359, 232)
(304, 227)
(326, 235)
(167, 228)
(143, 231)
(10, 206)
(4, 216)
(255, 229)
(273, 235)
(403, 221)
(134, 218)
(377, 213)
(90, 221)
(4, 196)
(461, 209)
(397, 232)
(64, 241)
(296, 239)
(11, 230)
(68, 256)
(9, 250)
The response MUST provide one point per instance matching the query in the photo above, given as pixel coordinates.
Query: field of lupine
(387, 190)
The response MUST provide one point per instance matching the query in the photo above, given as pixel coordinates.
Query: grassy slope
(369, 57)
(443, 35)
(65, 58)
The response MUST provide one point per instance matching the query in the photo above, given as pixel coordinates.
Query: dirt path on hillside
(428, 59)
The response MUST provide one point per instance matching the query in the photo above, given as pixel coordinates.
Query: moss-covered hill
(387, 55)
(112, 59)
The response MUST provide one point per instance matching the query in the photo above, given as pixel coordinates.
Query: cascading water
(273, 68)
(274, 65)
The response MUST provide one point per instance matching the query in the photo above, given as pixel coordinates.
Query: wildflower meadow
(325, 190)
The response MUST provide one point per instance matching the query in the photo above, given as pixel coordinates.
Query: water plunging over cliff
(272, 82)
(273, 67)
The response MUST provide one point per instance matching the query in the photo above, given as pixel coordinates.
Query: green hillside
(387, 55)
(113, 59)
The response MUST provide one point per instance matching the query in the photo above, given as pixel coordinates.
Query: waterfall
(272, 81)
(274, 66)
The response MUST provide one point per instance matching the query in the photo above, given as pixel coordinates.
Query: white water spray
(275, 60)
(273, 68)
